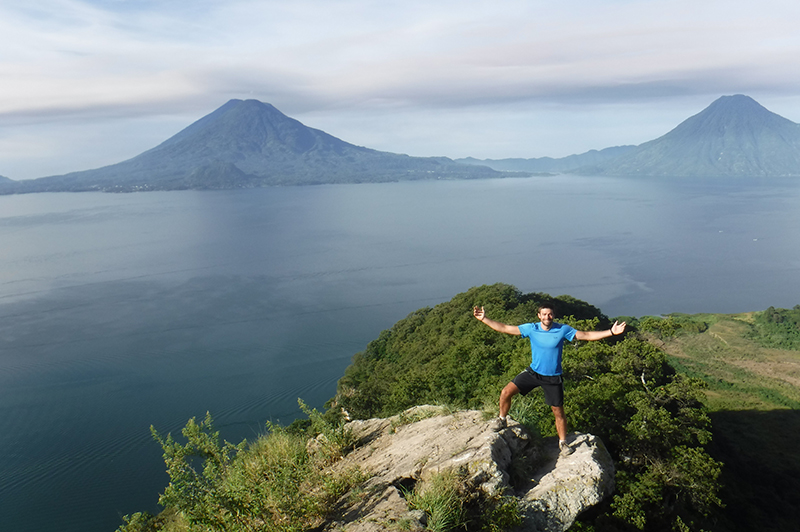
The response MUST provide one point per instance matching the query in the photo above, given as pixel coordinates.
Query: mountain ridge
(247, 143)
(550, 164)
(734, 136)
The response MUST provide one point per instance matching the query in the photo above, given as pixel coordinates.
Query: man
(547, 342)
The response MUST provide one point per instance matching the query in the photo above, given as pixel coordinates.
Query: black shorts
(552, 385)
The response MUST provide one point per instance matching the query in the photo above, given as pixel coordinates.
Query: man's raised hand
(478, 312)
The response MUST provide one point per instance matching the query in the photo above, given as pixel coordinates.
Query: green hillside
(698, 412)
(753, 394)
(650, 417)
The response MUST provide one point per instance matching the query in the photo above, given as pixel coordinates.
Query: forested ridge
(651, 418)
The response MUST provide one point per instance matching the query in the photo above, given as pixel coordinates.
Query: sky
(84, 84)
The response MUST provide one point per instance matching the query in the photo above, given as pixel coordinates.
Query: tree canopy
(777, 327)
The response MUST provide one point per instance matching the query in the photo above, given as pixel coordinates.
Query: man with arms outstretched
(547, 341)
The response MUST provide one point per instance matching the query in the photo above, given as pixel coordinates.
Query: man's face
(546, 317)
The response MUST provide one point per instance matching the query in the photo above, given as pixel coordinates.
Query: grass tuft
(441, 499)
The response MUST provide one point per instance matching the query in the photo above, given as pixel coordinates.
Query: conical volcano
(734, 136)
(249, 144)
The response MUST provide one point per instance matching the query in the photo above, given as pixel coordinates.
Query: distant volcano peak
(734, 101)
(739, 111)
(734, 136)
(248, 143)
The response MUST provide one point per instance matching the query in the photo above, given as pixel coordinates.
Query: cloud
(411, 53)
(67, 59)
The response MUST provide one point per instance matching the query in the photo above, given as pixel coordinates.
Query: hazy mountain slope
(250, 143)
(549, 164)
(734, 136)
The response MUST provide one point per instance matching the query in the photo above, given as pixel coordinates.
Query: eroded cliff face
(412, 447)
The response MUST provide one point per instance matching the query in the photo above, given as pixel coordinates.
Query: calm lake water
(122, 311)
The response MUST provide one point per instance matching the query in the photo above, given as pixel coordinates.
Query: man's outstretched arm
(480, 315)
(616, 329)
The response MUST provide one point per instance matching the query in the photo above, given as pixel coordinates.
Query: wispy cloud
(343, 61)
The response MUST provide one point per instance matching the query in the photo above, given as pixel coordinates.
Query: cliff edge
(403, 451)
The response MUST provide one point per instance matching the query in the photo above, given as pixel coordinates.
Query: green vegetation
(277, 484)
(285, 482)
(449, 505)
(442, 355)
(651, 418)
(441, 500)
(668, 326)
(753, 395)
(777, 327)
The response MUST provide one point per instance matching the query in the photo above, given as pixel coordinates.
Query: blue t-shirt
(546, 346)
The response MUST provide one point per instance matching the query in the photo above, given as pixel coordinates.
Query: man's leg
(505, 405)
(561, 428)
(561, 422)
(505, 398)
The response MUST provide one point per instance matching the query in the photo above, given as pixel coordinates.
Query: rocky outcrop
(563, 487)
(400, 451)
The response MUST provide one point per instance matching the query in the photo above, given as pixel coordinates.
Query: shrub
(441, 499)
(450, 504)
(777, 327)
(273, 485)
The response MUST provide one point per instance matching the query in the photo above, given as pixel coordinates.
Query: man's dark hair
(547, 304)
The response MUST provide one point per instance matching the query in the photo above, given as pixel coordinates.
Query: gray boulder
(409, 448)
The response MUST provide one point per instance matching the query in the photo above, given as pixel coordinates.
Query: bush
(442, 501)
(273, 485)
(654, 424)
(666, 327)
(777, 327)
(450, 503)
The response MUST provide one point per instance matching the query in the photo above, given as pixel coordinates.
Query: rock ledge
(425, 440)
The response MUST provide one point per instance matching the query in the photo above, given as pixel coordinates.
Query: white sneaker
(565, 449)
(497, 424)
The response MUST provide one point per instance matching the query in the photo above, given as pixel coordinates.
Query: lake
(121, 311)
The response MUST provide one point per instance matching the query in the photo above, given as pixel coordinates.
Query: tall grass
(441, 499)
(275, 484)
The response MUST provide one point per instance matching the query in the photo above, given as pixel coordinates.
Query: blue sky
(84, 84)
